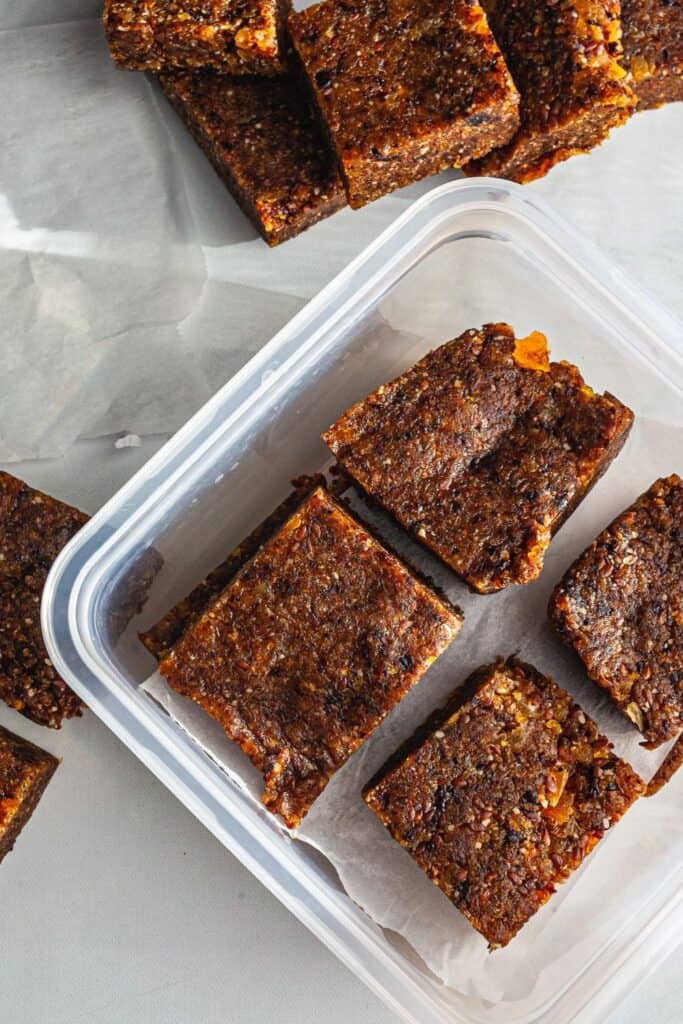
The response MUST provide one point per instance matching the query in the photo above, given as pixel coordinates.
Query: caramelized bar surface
(229, 36)
(620, 607)
(653, 49)
(481, 450)
(668, 768)
(504, 797)
(308, 648)
(160, 638)
(33, 530)
(25, 771)
(261, 138)
(565, 59)
(405, 89)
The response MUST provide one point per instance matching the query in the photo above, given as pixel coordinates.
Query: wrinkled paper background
(132, 287)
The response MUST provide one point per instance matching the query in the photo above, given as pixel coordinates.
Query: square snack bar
(229, 36)
(262, 140)
(501, 798)
(404, 88)
(33, 530)
(25, 771)
(653, 49)
(620, 607)
(482, 450)
(308, 648)
(565, 60)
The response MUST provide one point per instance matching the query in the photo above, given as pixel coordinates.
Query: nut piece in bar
(504, 796)
(620, 607)
(229, 36)
(33, 530)
(25, 771)
(262, 140)
(565, 60)
(482, 450)
(404, 88)
(653, 49)
(161, 637)
(308, 648)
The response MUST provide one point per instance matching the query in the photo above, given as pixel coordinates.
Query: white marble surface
(117, 905)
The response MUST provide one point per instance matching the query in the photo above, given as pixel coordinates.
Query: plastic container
(473, 251)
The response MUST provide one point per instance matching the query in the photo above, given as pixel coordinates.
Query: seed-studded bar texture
(33, 530)
(620, 607)
(504, 796)
(565, 59)
(160, 638)
(405, 89)
(262, 140)
(308, 648)
(653, 49)
(668, 768)
(25, 771)
(229, 36)
(481, 450)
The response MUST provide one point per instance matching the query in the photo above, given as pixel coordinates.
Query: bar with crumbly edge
(566, 60)
(667, 769)
(265, 145)
(653, 49)
(502, 795)
(33, 530)
(161, 637)
(308, 648)
(620, 607)
(482, 450)
(405, 89)
(229, 36)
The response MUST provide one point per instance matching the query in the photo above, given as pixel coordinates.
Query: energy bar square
(501, 797)
(308, 648)
(566, 60)
(33, 530)
(482, 450)
(404, 89)
(620, 607)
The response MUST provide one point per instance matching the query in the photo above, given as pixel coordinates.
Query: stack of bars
(303, 112)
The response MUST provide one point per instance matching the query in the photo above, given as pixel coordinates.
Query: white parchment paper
(382, 878)
(97, 269)
(132, 287)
